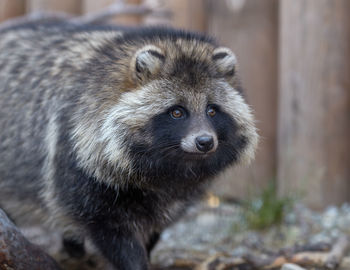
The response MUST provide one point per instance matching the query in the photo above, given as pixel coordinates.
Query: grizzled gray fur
(109, 133)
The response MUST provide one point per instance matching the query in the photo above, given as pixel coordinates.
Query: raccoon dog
(110, 133)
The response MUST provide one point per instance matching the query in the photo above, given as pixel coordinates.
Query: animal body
(110, 133)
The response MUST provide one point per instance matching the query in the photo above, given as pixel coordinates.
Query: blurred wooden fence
(294, 62)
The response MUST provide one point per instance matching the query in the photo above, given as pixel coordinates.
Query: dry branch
(102, 16)
(120, 9)
(17, 253)
(337, 253)
(218, 262)
(35, 17)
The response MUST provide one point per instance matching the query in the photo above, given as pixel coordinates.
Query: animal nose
(204, 143)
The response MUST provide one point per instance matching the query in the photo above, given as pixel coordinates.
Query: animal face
(185, 118)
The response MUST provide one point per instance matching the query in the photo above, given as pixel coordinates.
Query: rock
(330, 217)
(291, 266)
(17, 253)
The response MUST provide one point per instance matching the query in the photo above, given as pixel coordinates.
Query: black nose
(204, 143)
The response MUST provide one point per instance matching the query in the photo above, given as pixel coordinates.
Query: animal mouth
(197, 156)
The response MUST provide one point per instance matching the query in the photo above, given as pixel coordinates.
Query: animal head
(179, 113)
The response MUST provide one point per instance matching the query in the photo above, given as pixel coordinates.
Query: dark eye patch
(178, 112)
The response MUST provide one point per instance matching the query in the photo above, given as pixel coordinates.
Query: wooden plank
(95, 6)
(11, 8)
(68, 6)
(250, 29)
(186, 14)
(314, 124)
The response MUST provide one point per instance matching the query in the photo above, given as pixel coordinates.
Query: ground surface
(215, 238)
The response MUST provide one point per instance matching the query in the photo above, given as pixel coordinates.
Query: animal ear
(225, 61)
(147, 63)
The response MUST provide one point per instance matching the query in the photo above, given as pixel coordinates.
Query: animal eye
(177, 113)
(211, 111)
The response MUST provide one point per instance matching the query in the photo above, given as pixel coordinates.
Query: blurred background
(294, 58)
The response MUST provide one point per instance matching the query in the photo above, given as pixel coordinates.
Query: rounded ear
(147, 62)
(225, 61)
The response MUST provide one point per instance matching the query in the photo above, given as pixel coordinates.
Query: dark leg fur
(120, 246)
(74, 247)
(108, 214)
(105, 220)
(152, 242)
